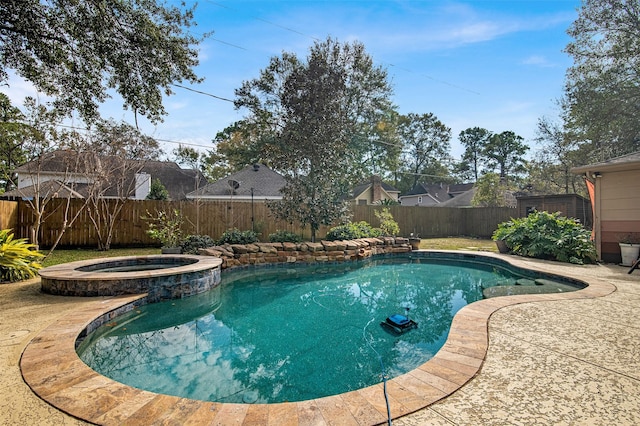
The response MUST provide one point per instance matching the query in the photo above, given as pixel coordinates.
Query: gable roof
(178, 181)
(443, 195)
(363, 187)
(264, 182)
(68, 163)
(49, 189)
(437, 191)
(462, 199)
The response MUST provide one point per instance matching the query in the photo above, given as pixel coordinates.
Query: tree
(112, 158)
(426, 141)
(474, 141)
(14, 134)
(38, 140)
(78, 51)
(505, 152)
(602, 94)
(157, 191)
(550, 171)
(192, 158)
(384, 148)
(236, 146)
(491, 191)
(312, 117)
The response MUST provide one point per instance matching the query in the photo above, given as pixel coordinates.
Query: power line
(156, 139)
(202, 93)
(229, 44)
(407, 70)
(434, 79)
(266, 22)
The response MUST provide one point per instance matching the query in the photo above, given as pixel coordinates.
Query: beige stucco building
(616, 202)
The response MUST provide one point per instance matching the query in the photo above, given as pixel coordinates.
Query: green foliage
(157, 191)
(14, 131)
(18, 258)
(281, 236)
(474, 141)
(192, 243)
(165, 227)
(548, 236)
(352, 231)
(388, 225)
(235, 236)
(601, 105)
(427, 142)
(80, 52)
(312, 120)
(505, 152)
(490, 192)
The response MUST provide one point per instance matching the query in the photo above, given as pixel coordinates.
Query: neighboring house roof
(60, 161)
(439, 193)
(460, 188)
(462, 199)
(71, 167)
(178, 182)
(49, 189)
(264, 182)
(625, 162)
(363, 189)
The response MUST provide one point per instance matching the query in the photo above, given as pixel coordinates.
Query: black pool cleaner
(398, 323)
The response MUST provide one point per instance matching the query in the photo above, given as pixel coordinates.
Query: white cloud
(539, 61)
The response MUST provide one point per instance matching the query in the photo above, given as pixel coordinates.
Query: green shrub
(388, 225)
(284, 237)
(18, 258)
(352, 231)
(193, 243)
(545, 235)
(165, 227)
(235, 236)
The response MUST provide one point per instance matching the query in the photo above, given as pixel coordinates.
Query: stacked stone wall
(234, 255)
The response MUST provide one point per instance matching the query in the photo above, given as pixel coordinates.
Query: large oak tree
(314, 118)
(602, 96)
(79, 51)
(426, 143)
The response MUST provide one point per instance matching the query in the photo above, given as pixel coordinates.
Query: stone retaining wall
(234, 255)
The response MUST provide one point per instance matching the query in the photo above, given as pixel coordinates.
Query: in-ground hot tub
(162, 276)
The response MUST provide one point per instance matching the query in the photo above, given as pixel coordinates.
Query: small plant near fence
(388, 225)
(353, 231)
(546, 235)
(165, 227)
(193, 243)
(284, 237)
(19, 259)
(235, 236)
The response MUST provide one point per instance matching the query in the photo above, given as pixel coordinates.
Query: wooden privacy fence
(434, 222)
(214, 217)
(8, 214)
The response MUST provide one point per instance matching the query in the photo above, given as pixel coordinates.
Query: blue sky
(493, 64)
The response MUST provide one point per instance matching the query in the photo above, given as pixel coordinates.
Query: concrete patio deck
(573, 361)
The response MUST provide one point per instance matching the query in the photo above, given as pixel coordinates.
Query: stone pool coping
(54, 372)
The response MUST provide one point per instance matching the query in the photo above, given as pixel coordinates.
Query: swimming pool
(297, 333)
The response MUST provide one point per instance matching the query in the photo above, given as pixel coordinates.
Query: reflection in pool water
(295, 333)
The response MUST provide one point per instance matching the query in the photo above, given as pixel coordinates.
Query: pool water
(289, 334)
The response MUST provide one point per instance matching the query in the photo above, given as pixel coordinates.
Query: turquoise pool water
(294, 333)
